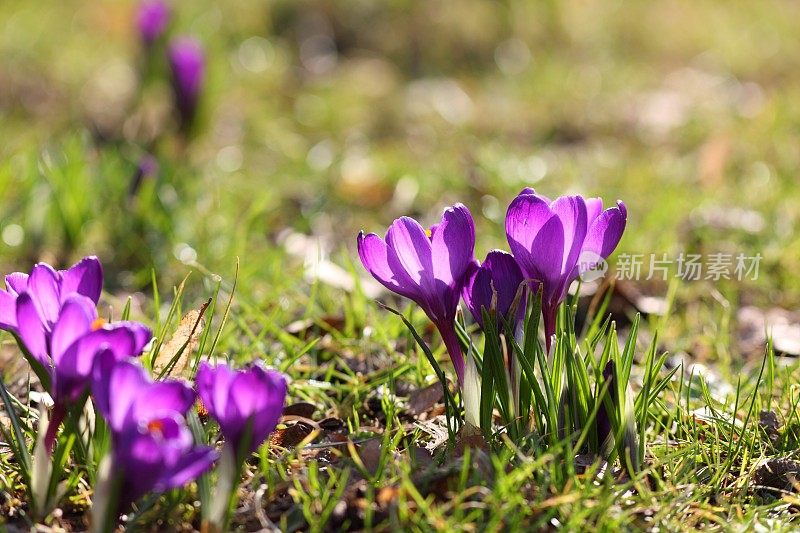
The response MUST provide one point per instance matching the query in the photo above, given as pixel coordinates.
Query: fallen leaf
(776, 475)
(754, 324)
(713, 159)
(291, 436)
(422, 400)
(304, 409)
(370, 454)
(185, 337)
(768, 421)
(332, 424)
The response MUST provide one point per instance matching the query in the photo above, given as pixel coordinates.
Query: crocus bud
(617, 411)
(247, 403)
(187, 62)
(152, 20)
(472, 392)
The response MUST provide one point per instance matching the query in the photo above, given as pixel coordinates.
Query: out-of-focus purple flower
(187, 62)
(493, 285)
(428, 269)
(247, 403)
(152, 448)
(145, 170)
(152, 20)
(49, 288)
(547, 238)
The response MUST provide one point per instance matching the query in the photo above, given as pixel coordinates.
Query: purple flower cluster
(53, 315)
(546, 237)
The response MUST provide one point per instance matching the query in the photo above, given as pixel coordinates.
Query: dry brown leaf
(291, 436)
(713, 160)
(777, 475)
(187, 334)
(423, 400)
(303, 409)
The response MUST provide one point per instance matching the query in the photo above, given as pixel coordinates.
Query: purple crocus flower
(247, 403)
(49, 288)
(67, 352)
(152, 447)
(548, 238)
(493, 285)
(152, 20)
(187, 62)
(428, 269)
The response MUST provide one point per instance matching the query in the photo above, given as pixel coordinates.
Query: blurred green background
(321, 118)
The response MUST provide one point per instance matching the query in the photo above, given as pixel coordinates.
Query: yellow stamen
(98, 323)
(429, 233)
(201, 408)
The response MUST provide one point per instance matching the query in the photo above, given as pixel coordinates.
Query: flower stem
(106, 496)
(228, 468)
(55, 421)
(549, 314)
(453, 346)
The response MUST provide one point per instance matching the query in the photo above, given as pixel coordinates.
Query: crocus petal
(526, 216)
(123, 339)
(74, 321)
(499, 274)
(190, 466)
(115, 342)
(260, 394)
(213, 385)
(187, 63)
(413, 248)
(606, 231)
(8, 310)
(43, 286)
(16, 283)
(453, 245)
(384, 266)
(164, 397)
(536, 238)
(116, 386)
(474, 291)
(84, 277)
(141, 335)
(30, 329)
(594, 206)
(506, 278)
(571, 210)
(235, 398)
(146, 450)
